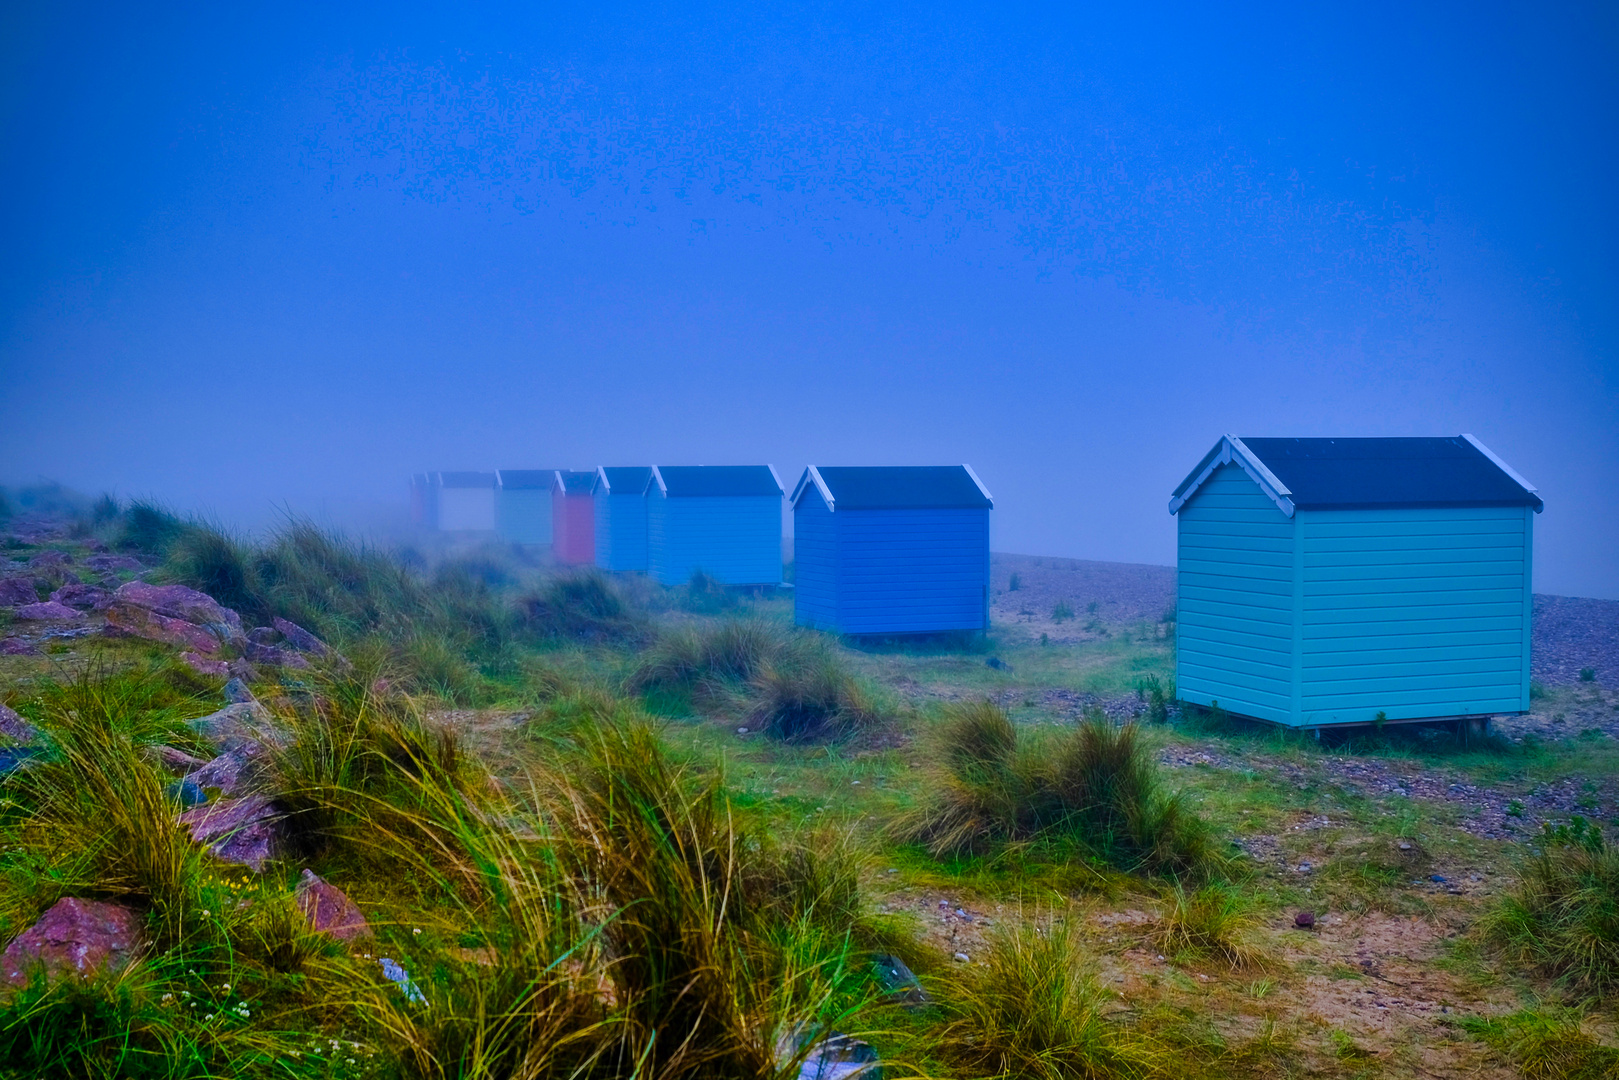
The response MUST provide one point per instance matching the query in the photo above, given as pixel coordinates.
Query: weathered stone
(235, 772)
(236, 691)
(329, 910)
(103, 564)
(898, 980)
(238, 724)
(299, 638)
(17, 589)
(49, 611)
(75, 937)
(186, 793)
(144, 622)
(246, 830)
(15, 728)
(13, 758)
(274, 656)
(834, 1057)
(264, 635)
(83, 597)
(13, 646)
(177, 760)
(179, 602)
(204, 666)
(50, 558)
(242, 671)
(1304, 920)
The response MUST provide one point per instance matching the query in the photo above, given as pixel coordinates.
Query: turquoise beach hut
(891, 550)
(620, 496)
(724, 520)
(1327, 582)
(523, 505)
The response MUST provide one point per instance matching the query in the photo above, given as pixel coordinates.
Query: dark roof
(699, 480)
(466, 479)
(881, 487)
(575, 482)
(526, 479)
(1351, 474)
(625, 479)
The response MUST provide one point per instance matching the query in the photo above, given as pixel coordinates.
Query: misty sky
(282, 259)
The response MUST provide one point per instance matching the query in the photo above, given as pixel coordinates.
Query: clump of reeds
(1548, 1044)
(1210, 923)
(1031, 1008)
(1562, 914)
(583, 605)
(1096, 786)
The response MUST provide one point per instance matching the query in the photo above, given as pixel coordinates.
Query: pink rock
(299, 638)
(245, 830)
(50, 558)
(177, 760)
(18, 589)
(105, 563)
(329, 910)
(179, 602)
(75, 936)
(274, 656)
(83, 597)
(146, 623)
(13, 646)
(50, 609)
(234, 773)
(204, 666)
(16, 728)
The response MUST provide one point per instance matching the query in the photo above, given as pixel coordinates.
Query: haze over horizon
(282, 258)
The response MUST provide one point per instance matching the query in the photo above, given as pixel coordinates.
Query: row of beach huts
(1321, 582)
(877, 549)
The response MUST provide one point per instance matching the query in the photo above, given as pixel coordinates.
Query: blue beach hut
(891, 550)
(620, 496)
(523, 505)
(724, 520)
(1329, 582)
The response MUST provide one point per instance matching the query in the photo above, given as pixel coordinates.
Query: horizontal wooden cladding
(898, 623)
(1413, 668)
(1443, 701)
(1324, 601)
(1402, 687)
(1321, 549)
(1239, 540)
(1278, 640)
(1210, 519)
(1235, 591)
(1196, 694)
(1396, 647)
(1433, 557)
(1263, 678)
(1277, 661)
(1218, 684)
(1445, 575)
(1331, 533)
(1248, 565)
(1193, 613)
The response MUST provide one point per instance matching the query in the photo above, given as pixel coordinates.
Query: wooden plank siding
(912, 571)
(815, 565)
(735, 539)
(525, 515)
(1235, 604)
(1413, 613)
(621, 532)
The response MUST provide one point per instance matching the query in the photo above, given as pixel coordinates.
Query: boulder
(264, 635)
(179, 602)
(105, 564)
(124, 618)
(177, 760)
(898, 980)
(236, 772)
(50, 558)
(203, 666)
(17, 589)
(49, 611)
(246, 830)
(242, 671)
(834, 1057)
(186, 793)
(83, 597)
(238, 724)
(299, 638)
(329, 910)
(274, 656)
(13, 646)
(77, 937)
(15, 728)
(236, 692)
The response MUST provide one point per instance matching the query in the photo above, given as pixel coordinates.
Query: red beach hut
(573, 518)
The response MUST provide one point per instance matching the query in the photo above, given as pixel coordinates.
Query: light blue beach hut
(620, 496)
(724, 520)
(891, 550)
(1327, 582)
(523, 506)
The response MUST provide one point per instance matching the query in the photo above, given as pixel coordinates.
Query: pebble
(962, 958)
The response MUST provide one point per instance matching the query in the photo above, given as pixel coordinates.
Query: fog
(274, 263)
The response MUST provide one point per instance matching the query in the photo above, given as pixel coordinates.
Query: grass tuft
(1210, 923)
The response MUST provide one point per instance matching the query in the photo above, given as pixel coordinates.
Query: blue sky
(280, 258)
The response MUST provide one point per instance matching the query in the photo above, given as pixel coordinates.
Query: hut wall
(815, 564)
(573, 522)
(466, 509)
(735, 539)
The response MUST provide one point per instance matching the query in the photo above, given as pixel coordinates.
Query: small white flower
(417, 930)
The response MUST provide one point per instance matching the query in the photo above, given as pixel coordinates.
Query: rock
(186, 793)
(237, 772)
(237, 693)
(962, 958)
(273, 656)
(50, 558)
(13, 758)
(1304, 920)
(835, 1057)
(177, 760)
(898, 981)
(49, 611)
(203, 666)
(78, 937)
(242, 671)
(329, 910)
(264, 635)
(17, 589)
(143, 622)
(299, 638)
(13, 646)
(103, 564)
(179, 602)
(83, 597)
(394, 973)
(238, 724)
(15, 728)
(245, 830)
